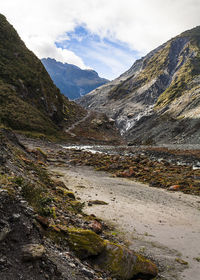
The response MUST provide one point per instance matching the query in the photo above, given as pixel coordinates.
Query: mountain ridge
(72, 81)
(150, 91)
(30, 103)
(29, 99)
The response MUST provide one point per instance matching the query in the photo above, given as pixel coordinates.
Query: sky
(104, 35)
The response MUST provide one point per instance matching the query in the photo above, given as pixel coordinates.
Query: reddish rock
(96, 226)
(175, 188)
(43, 221)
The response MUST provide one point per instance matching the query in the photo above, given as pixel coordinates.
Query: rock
(97, 122)
(4, 230)
(43, 221)
(181, 261)
(77, 205)
(85, 243)
(87, 272)
(70, 194)
(97, 202)
(32, 252)
(175, 188)
(65, 192)
(125, 264)
(96, 226)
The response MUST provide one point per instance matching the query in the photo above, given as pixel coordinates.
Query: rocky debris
(32, 252)
(42, 227)
(157, 168)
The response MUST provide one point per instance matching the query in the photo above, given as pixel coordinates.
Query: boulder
(85, 243)
(31, 252)
(125, 264)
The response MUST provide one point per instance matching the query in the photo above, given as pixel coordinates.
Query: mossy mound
(85, 243)
(122, 263)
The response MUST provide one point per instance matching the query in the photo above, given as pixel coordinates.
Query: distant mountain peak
(72, 81)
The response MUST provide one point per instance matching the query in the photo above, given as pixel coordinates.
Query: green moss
(85, 243)
(77, 206)
(124, 264)
(184, 79)
(153, 68)
(65, 193)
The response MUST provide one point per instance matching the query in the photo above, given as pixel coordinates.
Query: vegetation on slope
(175, 65)
(29, 99)
(183, 80)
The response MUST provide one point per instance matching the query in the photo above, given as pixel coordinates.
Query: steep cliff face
(161, 90)
(28, 98)
(72, 81)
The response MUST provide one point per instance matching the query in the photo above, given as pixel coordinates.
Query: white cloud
(143, 24)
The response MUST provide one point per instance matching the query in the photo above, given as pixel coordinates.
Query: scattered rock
(87, 272)
(96, 226)
(175, 188)
(181, 261)
(32, 252)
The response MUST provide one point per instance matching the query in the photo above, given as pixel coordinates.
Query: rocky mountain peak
(72, 81)
(164, 84)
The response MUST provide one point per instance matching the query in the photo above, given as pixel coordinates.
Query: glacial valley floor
(162, 225)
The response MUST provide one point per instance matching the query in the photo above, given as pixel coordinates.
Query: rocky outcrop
(159, 90)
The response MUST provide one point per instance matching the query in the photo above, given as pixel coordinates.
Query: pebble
(87, 272)
(72, 265)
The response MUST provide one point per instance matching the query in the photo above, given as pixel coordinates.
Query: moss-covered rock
(66, 193)
(76, 205)
(122, 263)
(85, 243)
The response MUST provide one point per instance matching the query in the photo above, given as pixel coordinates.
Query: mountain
(32, 104)
(29, 100)
(72, 81)
(158, 99)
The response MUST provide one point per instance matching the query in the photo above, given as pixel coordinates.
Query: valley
(107, 187)
(139, 214)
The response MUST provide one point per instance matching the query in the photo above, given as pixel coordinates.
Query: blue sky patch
(110, 58)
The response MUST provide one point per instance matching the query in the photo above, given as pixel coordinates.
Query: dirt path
(68, 130)
(157, 223)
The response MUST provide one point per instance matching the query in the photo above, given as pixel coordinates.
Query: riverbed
(162, 225)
